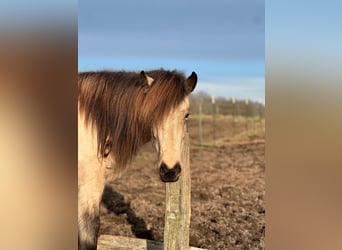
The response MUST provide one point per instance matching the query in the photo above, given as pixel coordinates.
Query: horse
(118, 112)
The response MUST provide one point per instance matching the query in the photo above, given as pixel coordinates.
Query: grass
(244, 136)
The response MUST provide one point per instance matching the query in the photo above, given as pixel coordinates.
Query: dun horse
(118, 112)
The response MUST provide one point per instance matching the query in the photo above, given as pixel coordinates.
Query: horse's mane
(117, 105)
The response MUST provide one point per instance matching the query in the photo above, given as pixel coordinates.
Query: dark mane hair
(123, 109)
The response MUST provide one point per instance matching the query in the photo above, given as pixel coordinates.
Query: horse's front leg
(89, 216)
(89, 225)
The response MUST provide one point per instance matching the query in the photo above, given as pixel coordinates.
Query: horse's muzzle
(169, 174)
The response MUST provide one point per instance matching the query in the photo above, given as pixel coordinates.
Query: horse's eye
(107, 148)
(187, 116)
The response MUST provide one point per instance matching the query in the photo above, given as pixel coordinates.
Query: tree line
(202, 102)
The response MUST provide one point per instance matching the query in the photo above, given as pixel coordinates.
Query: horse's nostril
(177, 167)
(163, 168)
(169, 174)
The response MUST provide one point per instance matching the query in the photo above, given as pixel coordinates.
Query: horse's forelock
(167, 92)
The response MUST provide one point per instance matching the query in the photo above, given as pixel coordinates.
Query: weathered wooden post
(214, 118)
(234, 114)
(246, 113)
(178, 208)
(260, 113)
(200, 123)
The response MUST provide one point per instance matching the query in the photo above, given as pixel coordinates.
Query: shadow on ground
(115, 203)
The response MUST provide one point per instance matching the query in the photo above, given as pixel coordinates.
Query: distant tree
(202, 98)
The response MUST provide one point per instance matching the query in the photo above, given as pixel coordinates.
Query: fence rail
(112, 242)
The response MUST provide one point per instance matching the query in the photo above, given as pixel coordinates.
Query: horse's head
(170, 132)
(169, 136)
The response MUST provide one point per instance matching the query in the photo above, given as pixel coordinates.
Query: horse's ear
(191, 82)
(149, 80)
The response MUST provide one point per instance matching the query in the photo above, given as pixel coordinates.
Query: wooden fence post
(200, 123)
(246, 114)
(234, 114)
(178, 208)
(214, 119)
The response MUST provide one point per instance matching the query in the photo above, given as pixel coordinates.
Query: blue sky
(221, 40)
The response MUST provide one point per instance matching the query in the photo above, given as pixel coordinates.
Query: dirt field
(227, 201)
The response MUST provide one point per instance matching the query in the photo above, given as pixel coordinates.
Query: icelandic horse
(118, 112)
